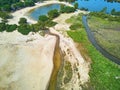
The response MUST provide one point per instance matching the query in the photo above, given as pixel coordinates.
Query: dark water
(43, 10)
(96, 45)
(97, 5)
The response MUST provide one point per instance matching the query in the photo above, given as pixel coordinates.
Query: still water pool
(43, 10)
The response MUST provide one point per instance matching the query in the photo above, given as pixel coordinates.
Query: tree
(66, 9)
(45, 22)
(6, 8)
(76, 5)
(2, 27)
(43, 18)
(22, 21)
(5, 15)
(24, 29)
(53, 13)
(10, 28)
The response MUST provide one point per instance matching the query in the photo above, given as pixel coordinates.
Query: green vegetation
(105, 16)
(24, 29)
(53, 13)
(65, 75)
(113, 1)
(10, 28)
(68, 0)
(107, 34)
(5, 15)
(76, 5)
(66, 9)
(114, 12)
(45, 22)
(2, 27)
(68, 71)
(12, 5)
(22, 21)
(7, 6)
(104, 74)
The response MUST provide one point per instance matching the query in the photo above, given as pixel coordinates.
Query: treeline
(113, 1)
(114, 12)
(12, 5)
(105, 16)
(68, 0)
(24, 28)
(7, 6)
(43, 23)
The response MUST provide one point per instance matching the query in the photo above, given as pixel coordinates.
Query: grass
(107, 34)
(68, 71)
(104, 74)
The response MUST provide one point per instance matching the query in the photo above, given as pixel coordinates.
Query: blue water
(91, 5)
(43, 10)
(98, 5)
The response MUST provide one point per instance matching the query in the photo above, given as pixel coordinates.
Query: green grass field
(104, 74)
(107, 34)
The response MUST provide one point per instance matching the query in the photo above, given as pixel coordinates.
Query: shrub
(66, 9)
(53, 13)
(24, 29)
(10, 28)
(75, 26)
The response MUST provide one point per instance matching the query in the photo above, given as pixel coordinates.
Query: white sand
(26, 61)
(25, 65)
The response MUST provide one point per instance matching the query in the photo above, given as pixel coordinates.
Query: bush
(10, 28)
(53, 13)
(75, 26)
(24, 29)
(43, 18)
(76, 5)
(66, 9)
(22, 21)
(2, 27)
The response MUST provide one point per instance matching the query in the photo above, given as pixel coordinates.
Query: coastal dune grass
(104, 74)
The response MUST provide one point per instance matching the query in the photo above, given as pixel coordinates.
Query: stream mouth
(96, 45)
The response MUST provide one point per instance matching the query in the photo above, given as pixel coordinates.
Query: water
(43, 10)
(98, 5)
(91, 5)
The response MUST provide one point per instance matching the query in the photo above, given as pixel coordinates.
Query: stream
(96, 45)
(57, 60)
